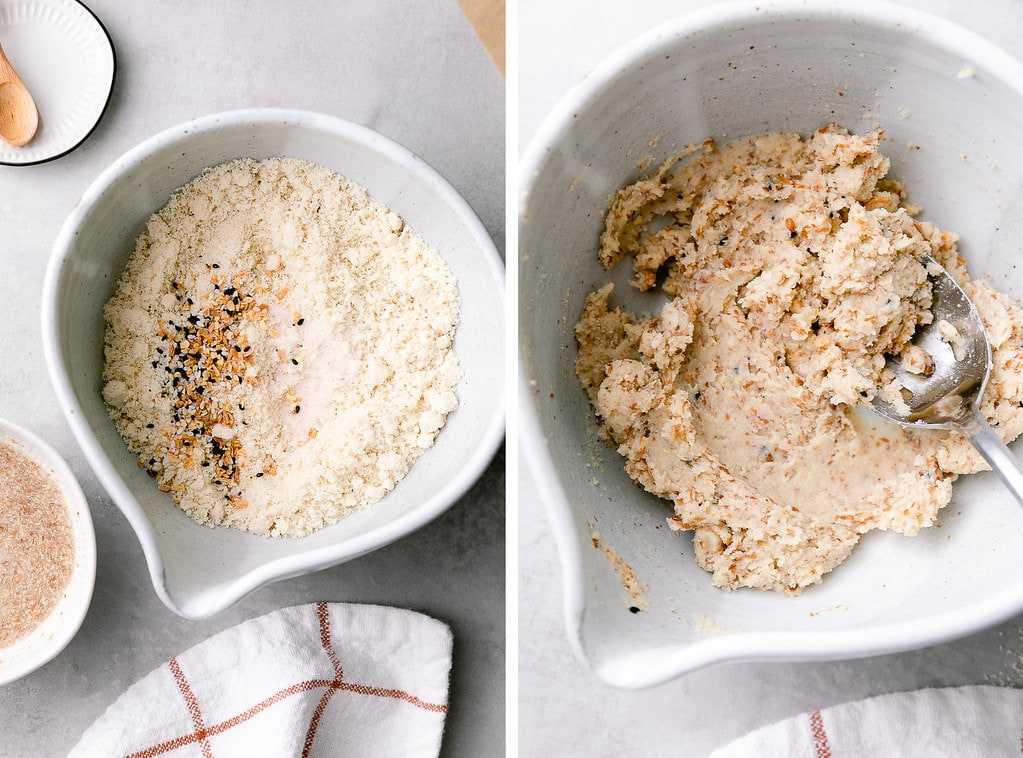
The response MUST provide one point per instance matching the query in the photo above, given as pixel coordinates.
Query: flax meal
(793, 266)
(37, 544)
(279, 347)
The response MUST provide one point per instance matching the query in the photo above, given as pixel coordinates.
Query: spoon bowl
(19, 117)
(947, 395)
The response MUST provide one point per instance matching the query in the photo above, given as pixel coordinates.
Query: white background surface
(410, 69)
(563, 708)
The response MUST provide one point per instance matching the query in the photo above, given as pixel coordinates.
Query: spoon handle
(7, 72)
(995, 452)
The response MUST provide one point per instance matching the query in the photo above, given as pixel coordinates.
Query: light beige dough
(794, 266)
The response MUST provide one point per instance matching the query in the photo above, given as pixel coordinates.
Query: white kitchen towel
(324, 679)
(954, 722)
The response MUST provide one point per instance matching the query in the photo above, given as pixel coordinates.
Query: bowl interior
(952, 115)
(199, 570)
(48, 639)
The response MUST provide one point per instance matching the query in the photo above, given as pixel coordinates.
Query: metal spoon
(949, 397)
(19, 118)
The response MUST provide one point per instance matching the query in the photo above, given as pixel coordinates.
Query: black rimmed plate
(63, 54)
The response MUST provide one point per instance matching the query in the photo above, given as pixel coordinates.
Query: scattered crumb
(832, 609)
(636, 598)
(706, 625)
(953, 338)
(645, 162)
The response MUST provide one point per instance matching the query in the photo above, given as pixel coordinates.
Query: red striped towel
(954, 722)
(315, 680)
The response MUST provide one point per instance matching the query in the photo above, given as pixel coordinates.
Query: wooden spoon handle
(7, 72)
(19, 118)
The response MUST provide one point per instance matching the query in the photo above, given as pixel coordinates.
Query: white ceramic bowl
(198, 571)
(48, 639)
(952, 106)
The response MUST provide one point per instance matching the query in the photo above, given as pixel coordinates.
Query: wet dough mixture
(793, 267)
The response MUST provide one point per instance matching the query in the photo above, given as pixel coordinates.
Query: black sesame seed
(294, 361)
(633, 609)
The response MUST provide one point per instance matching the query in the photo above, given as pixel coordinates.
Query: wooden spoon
(19, 118)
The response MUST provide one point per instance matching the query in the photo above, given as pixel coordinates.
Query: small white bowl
(197, 570)
(48, 639)
(952, 107)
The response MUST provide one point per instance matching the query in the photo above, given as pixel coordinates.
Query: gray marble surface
(563, 709)
(413, 71)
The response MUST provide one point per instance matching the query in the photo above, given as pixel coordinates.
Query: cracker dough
(793, 266)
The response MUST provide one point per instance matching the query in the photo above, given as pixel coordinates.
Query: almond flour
(279, 347)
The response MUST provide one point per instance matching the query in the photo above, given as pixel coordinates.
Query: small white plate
(64, 55)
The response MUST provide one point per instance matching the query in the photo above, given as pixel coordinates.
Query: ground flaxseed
(37, 545)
